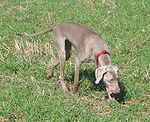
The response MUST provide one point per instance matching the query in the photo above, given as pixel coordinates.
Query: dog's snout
(117, 90)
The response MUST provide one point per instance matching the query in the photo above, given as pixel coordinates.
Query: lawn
(25, 94)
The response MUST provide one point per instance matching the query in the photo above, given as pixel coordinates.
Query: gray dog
(89, 45)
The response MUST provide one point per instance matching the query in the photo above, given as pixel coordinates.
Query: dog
(89, 45)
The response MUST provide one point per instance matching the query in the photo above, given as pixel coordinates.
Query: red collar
(99, 54)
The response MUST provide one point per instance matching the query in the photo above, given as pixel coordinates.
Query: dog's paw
(49, 75)
(64, 86)
(73, 89)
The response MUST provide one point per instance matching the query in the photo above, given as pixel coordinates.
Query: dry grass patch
(29, 48)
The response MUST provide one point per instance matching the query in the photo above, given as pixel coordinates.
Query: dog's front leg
(76, 76)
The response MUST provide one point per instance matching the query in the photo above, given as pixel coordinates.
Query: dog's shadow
(90, 75)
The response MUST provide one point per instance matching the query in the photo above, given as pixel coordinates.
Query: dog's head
(109, 74)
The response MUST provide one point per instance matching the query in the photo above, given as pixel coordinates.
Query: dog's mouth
(113, 88)
(114, 95)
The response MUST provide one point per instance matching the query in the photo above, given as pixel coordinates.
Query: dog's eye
(112, 80)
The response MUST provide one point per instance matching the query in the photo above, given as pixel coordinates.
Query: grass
(26, 95)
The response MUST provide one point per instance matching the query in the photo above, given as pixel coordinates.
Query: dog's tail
(49, 29)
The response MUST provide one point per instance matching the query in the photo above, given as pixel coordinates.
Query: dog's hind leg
(56, 62)
(62, 57)
(76, 76)
(59, 41)
(51, 72)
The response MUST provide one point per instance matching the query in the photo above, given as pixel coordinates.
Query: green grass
(25, 94)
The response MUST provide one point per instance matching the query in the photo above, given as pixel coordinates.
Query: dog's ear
(99, 72)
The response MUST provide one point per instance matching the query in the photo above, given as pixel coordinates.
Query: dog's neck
(103, 59)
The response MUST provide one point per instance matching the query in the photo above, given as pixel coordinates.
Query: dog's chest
(89, 59)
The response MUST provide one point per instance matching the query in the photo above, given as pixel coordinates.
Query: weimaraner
(89, 45)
